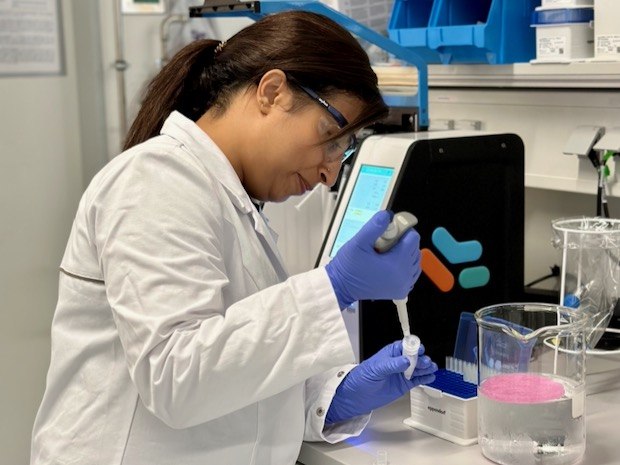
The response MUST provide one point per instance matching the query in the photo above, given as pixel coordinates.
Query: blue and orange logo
(455, 253)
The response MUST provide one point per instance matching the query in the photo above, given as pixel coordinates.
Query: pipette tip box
(446, 408)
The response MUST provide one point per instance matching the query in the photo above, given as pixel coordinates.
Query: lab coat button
(320, 411)
(340, 374)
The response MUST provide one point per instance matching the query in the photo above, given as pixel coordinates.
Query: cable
(555, 271)
(609, 154)
(600, 189)
(601, 198)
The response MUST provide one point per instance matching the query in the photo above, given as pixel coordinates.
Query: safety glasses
(342, 147)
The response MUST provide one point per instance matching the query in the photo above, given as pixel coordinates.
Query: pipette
(400, 224)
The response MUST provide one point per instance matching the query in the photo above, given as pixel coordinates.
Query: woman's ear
(274, 91)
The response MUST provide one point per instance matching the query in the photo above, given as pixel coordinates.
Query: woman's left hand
(377, 382)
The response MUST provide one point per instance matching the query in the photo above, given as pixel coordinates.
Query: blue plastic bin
(465, 31)
(408, 26)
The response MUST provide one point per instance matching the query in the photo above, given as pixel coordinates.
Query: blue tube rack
(465, 31)
(452, 383)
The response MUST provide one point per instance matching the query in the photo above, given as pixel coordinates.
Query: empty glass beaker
(590, 279)
(531, 383)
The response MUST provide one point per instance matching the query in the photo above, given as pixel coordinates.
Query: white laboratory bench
(404, 445)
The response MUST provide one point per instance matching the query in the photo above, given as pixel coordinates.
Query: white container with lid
(563, 34)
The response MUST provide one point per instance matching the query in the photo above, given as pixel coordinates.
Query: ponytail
(182, 85)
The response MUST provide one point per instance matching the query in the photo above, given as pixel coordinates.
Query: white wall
(40, 185)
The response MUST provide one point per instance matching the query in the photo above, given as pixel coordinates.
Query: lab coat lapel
(260, 269)
(214, 160)
(269, 238)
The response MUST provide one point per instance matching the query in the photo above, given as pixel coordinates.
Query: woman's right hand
(359, 272)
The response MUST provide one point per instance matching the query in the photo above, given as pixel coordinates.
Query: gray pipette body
(400, 224)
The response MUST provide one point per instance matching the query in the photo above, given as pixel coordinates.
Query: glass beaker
(531, 383)
(590, 279)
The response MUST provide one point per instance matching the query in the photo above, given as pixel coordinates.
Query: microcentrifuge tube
(411, 346)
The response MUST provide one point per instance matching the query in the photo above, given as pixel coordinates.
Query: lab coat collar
(202, 146)
(188, 133)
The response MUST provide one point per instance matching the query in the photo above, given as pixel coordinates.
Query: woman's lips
(305, 186)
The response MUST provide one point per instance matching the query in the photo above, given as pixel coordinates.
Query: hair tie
(219, 47)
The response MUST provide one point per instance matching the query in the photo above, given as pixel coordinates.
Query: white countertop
(404, 445)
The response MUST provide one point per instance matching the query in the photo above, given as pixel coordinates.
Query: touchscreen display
(366, 199)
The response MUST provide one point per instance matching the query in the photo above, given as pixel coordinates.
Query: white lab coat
(178, 337)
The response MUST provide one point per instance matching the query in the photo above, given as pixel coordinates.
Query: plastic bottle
(411, 346)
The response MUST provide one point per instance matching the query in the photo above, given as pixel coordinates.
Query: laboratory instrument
(531, 386)
(400, 224)
(471, 257)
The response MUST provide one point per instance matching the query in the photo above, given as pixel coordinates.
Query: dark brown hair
(311, 48)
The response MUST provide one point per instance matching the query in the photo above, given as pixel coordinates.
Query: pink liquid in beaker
(522, 388)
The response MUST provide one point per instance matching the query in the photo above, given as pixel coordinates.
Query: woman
(178, 336)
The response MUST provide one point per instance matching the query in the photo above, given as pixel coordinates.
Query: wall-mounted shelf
(604, 75)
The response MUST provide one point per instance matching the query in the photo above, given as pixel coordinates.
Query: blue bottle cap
(571, 300)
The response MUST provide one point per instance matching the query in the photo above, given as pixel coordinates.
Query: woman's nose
(329, 172)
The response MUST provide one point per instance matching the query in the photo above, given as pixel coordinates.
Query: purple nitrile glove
(377, 382)
(359, 272)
